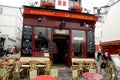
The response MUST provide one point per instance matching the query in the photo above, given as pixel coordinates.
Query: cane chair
(2, 72)
(54, 72)
(11, 60)
(47, 67)
(6, 76)
(5, 65)
(80, 68)
(111, 71)
(93, 67)
(1, 60)
(32, 73)
(33, 64)
(17, 70)
(74, 73)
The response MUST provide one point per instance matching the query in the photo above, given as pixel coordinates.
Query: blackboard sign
(27, 41)
(90, 44)
(52, 47)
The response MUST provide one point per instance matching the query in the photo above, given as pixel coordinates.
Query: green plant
(47, 4)
(76, 8)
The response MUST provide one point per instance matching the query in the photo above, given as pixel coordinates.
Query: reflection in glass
(41, 38)
(78, 40)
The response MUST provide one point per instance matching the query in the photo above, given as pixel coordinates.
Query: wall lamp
(62, 24)
(40, 19)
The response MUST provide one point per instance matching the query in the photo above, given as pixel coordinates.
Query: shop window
(41, 38)
(78, 40)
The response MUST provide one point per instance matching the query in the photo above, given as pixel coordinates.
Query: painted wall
(111, 27)
(11, 22)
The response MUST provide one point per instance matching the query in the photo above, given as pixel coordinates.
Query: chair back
(2, 72)
(11, 60)
(6, 76)
(5, 64)
(33, 64)
(74, 74)
(48, 65)
(17, 66)
(54, 72)
(32, 74)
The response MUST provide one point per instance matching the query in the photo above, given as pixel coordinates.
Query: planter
(76, 8)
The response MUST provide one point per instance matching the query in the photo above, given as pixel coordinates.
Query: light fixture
(40, 19)
(82, 24)
(62, 24)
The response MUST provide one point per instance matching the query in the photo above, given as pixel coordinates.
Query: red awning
(110, 43)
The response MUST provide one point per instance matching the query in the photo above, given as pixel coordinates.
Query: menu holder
(90, 43)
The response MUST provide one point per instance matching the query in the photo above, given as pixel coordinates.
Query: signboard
(27, 41)
(90, 44)
(64, 14)
(52, 47)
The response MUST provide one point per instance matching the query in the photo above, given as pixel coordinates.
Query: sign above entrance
(59, 13)
(59, 31)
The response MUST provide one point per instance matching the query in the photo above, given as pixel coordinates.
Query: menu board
(52, 47)
(27, 41)
(116, 61)
(90, 43)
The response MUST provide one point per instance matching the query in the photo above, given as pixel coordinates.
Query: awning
(110, 43)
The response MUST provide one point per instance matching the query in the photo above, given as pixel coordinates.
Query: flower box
(47, 4)
(76, 8)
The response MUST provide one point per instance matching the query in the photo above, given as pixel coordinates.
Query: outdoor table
(92, 76)
(44, 77)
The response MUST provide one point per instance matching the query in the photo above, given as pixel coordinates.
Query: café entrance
(62, 49)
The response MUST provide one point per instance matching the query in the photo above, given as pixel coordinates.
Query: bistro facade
(63, 34)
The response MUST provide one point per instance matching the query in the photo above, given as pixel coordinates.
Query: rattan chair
(80, 68)
(47, 67)
(32, 74)
(74, 73)
(33, 71)
(17, 70)
(54, 72)
(6, 76)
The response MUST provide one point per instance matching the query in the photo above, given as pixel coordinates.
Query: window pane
(42, 37)
(78, 40)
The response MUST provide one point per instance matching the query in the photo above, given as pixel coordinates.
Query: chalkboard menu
(90, 44)
(52, 47)
(27, 41)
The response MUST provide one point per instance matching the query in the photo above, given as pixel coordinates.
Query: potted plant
(76, 8)
(47, 4)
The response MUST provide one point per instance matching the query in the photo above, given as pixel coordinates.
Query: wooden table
(92, 76)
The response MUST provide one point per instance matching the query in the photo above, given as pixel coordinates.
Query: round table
(44, 77)
(93, 76)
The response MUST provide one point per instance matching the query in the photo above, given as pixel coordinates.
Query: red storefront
(112, 47)
(63, 34)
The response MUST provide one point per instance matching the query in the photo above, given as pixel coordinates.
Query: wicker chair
(80, 68)
(74, 73)
(33, 72)
(17, 69)
(47, 67)
(54, 72)
(6, 76)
